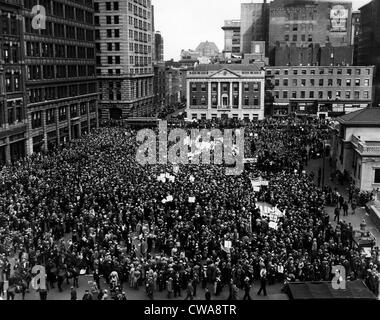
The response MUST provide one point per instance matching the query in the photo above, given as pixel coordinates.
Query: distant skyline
(185, 24)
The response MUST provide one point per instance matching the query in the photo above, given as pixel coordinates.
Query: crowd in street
(91, 208)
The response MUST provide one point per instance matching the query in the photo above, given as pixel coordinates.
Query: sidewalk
(360, 214)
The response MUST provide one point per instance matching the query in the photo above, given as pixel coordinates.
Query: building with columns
(225, 91)
(13, 127)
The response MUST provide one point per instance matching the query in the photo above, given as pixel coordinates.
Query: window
(348, 82)
(116, 6)
(294, 37)
(303, 37)
(320, 94)
(294, 94)
(321, 82)
(108, 6)
(349, 71)
(358, 72)
(108, 20)
(357, 95)
(117, 33)
(311, 94)
(329, 94)
(330, 82)
(357, 82)
(339, 82)
(116, 19)
(286, 82)
(312, 82)
(303, 94)
(193, 87)
(246, 101)
(285, 94)
(377, 176)
(366, 82)
(310, 38)
(295, 72)
(286, 38)
(366, 95)
(277, 82)
(109, 33)
(294, 82)
(338, 94)
(303, 82)
(277, 94)
(348, 94)
(295, 27)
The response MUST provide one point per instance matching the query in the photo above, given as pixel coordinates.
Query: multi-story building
(158, 47)
(124, 40)
(304, 23)
(356, 147)
(369, 41)
(60, 80)
(254, 24)
(308, 90)
(159, 85)
(208, 49)
(13, 127)
(225, 91)
(173, 85)
(355, 34)
(231, 38)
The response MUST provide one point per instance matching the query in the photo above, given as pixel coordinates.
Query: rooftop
(366, 116)
(232, 67)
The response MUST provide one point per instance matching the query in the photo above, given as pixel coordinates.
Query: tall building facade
(254, 24)
(302, 23)
(158, 47)
(124, 58)
(231, 38)
(369, 43)
(13, 124)
(225, 91)
(355, 35)
(310, 90)
(60, 73)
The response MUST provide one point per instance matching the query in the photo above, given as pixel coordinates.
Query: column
(219, 92)
(29, 140)
(209, 103)
(231, 94)
(188, 93)
(56, 117)
(7, 151)
(69, 120)
(43, 118)
(88, 116)
(240, 94)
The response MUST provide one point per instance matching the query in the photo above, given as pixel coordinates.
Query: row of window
(14, 113)
(75, 111)
(110, 60)
(61, 10)
(139, 36)
(50, 50)
(59, 30)
(12, 81)
(11, 53)
(60, 92)
(139, 48)
(225, 87)
(9, 24)
(322, 82)
(247, 101)
(37, 72)
(313, 71)
(322, 95)
(295, 37)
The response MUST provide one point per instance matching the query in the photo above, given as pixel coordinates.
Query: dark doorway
(116, 113)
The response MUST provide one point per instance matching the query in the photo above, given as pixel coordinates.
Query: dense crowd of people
(90, 208)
